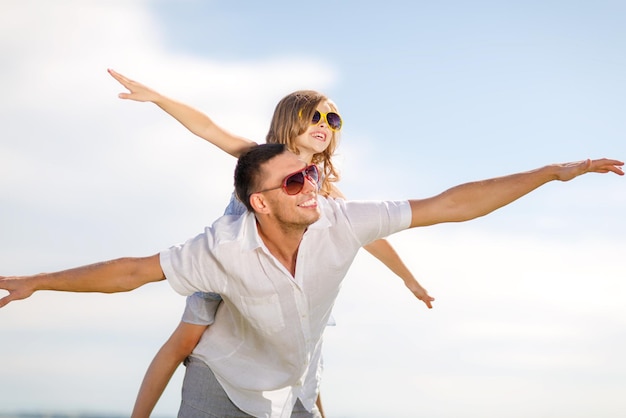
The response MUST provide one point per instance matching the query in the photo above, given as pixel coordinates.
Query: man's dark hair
(248, 170)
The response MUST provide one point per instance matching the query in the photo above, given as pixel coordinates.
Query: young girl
(309, 124)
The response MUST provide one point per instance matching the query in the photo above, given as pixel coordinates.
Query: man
(279, 269)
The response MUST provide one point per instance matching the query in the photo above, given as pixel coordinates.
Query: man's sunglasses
(294, 183)
(332, 119)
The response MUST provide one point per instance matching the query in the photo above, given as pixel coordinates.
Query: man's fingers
(5, 300)
(605, 165)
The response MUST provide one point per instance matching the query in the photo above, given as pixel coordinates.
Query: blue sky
(529, 318)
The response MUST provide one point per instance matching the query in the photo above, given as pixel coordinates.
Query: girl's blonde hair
(292, 117)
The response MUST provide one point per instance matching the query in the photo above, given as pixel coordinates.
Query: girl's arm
(194, 120)
(382, 250)
(318, 402)
(180, 344)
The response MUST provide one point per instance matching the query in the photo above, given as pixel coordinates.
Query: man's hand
(569, 171)
(18, 288)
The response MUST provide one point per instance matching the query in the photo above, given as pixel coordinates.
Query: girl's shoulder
(235, 207)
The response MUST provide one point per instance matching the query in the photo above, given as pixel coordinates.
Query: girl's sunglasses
(332, 119)
(294, 183)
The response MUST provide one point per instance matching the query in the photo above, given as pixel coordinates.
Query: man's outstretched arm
(472, 200)
(113, 276)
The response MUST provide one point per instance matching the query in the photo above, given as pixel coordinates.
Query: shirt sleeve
(373, 220)
(200, 308)
(192, 266)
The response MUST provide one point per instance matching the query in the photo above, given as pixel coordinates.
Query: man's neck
(283, 243)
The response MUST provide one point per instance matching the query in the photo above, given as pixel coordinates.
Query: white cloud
(72, 150)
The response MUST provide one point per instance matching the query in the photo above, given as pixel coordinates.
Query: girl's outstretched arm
(176, 349)
(197, 122)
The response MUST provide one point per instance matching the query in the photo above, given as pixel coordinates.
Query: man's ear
(258, 203)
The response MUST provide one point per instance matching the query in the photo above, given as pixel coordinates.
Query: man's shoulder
(229, 227)
(329, 206)
(334, 204)
(336, 209)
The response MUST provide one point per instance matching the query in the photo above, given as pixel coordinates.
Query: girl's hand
(138, 91)
(420, 292)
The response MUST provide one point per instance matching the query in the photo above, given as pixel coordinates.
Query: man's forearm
(475, 199)
(119, 275)
(472, 200)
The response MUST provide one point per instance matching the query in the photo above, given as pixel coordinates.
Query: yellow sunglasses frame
(325, 118)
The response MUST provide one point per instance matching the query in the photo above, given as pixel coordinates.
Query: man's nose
(309, 185)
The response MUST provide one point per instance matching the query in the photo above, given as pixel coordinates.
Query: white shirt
(264, 347)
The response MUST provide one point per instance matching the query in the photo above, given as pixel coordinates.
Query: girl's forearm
(155, 381)
(383, 251)
(203, 126)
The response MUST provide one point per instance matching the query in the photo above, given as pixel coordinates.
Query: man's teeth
(310, 202)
